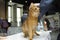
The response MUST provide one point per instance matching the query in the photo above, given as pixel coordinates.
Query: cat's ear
(31, 5)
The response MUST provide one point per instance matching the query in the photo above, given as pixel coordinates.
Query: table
(3, 38)
(44, 35)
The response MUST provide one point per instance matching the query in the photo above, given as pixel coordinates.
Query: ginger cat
(30, 24)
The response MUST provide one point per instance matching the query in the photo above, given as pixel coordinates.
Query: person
(44, 6)
(24, 17)
(4, 25)
(0, 25)
(47, 23)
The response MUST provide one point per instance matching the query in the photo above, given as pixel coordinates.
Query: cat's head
(34, 10)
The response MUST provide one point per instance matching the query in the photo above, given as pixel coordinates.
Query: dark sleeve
(44, 6)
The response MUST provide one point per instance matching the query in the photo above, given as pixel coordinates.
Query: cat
(30, 24)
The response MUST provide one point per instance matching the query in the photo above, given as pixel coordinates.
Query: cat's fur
(30, 24)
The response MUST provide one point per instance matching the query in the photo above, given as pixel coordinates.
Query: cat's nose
(39, 8)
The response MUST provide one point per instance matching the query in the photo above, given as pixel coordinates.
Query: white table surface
(44, 35)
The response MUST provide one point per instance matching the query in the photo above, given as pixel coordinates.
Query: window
(9, 14)
(18, 17)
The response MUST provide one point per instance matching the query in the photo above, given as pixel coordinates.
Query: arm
(44, 6)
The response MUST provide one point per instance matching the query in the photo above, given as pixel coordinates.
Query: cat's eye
(35, 8)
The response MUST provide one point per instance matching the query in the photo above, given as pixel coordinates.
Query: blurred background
(13, 10)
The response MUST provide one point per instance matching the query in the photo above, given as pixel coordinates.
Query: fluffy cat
(30, 24)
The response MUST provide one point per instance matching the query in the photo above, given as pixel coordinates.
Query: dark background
(55, 7)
